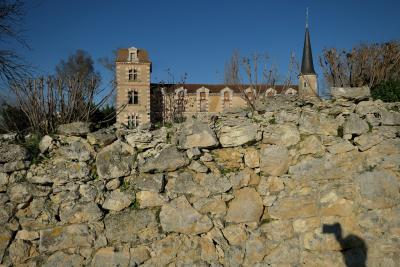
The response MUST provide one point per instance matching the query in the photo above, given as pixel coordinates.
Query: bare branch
(365, 64)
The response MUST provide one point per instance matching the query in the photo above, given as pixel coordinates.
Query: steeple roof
(307, 66)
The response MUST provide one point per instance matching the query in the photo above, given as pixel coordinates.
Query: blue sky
(198, 37)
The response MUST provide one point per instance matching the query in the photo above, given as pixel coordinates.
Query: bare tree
(12, 66)
(249, 73)
(231, 71)
(168, 103)
(288, 80)
(365, 64)
(50, 101)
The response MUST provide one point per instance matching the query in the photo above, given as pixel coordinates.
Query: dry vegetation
(365, 64)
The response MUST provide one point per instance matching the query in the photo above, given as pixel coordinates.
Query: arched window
(290, 92)
(203, 102)
(202, 99)
(226, 100)
(226, 97)
(270, 92)
(250, 95)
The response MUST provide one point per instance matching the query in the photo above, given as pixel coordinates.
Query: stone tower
(308, 85)
(133, 69)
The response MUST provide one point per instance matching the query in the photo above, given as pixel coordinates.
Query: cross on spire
(307, 17)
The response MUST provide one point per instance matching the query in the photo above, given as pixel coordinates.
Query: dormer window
(133, 55)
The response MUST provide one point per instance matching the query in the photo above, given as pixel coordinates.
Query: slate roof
(307, 66)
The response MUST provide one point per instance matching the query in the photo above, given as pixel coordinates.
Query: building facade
(209, 99)
(133, 69)
(139, 101)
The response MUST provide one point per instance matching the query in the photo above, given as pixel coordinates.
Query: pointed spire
(307, 66)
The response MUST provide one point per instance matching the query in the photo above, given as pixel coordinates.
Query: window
(133, 97)
(271, 92)
(133, 121)
(132, 75)
(226, 101)
(132, 56)
(130, 97)
(305, 84)
(203, 102)
(226, 97)
(250, 95)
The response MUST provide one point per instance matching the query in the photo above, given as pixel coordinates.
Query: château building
(139, 101)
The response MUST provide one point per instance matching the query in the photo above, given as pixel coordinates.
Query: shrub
(31, 143)
(49, 102)
(387, 91)
(13, 119)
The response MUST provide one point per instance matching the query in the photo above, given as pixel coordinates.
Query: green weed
(225, 171)
(135, 205)
(32, 145)
(93, 172)
(370, 168)
(272, 120)
(125, 186)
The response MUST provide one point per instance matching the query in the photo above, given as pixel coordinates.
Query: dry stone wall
(298, 183)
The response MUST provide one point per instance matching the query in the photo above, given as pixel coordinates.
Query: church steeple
(308, 84)
(307, 66)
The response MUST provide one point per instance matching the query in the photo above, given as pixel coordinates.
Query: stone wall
(298, 183)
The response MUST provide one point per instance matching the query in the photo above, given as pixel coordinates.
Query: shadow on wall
(354, 249)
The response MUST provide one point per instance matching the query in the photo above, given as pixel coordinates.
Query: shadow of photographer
(354, 249)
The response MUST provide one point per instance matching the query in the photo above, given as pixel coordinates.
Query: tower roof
(123, 55)
(307, 66)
